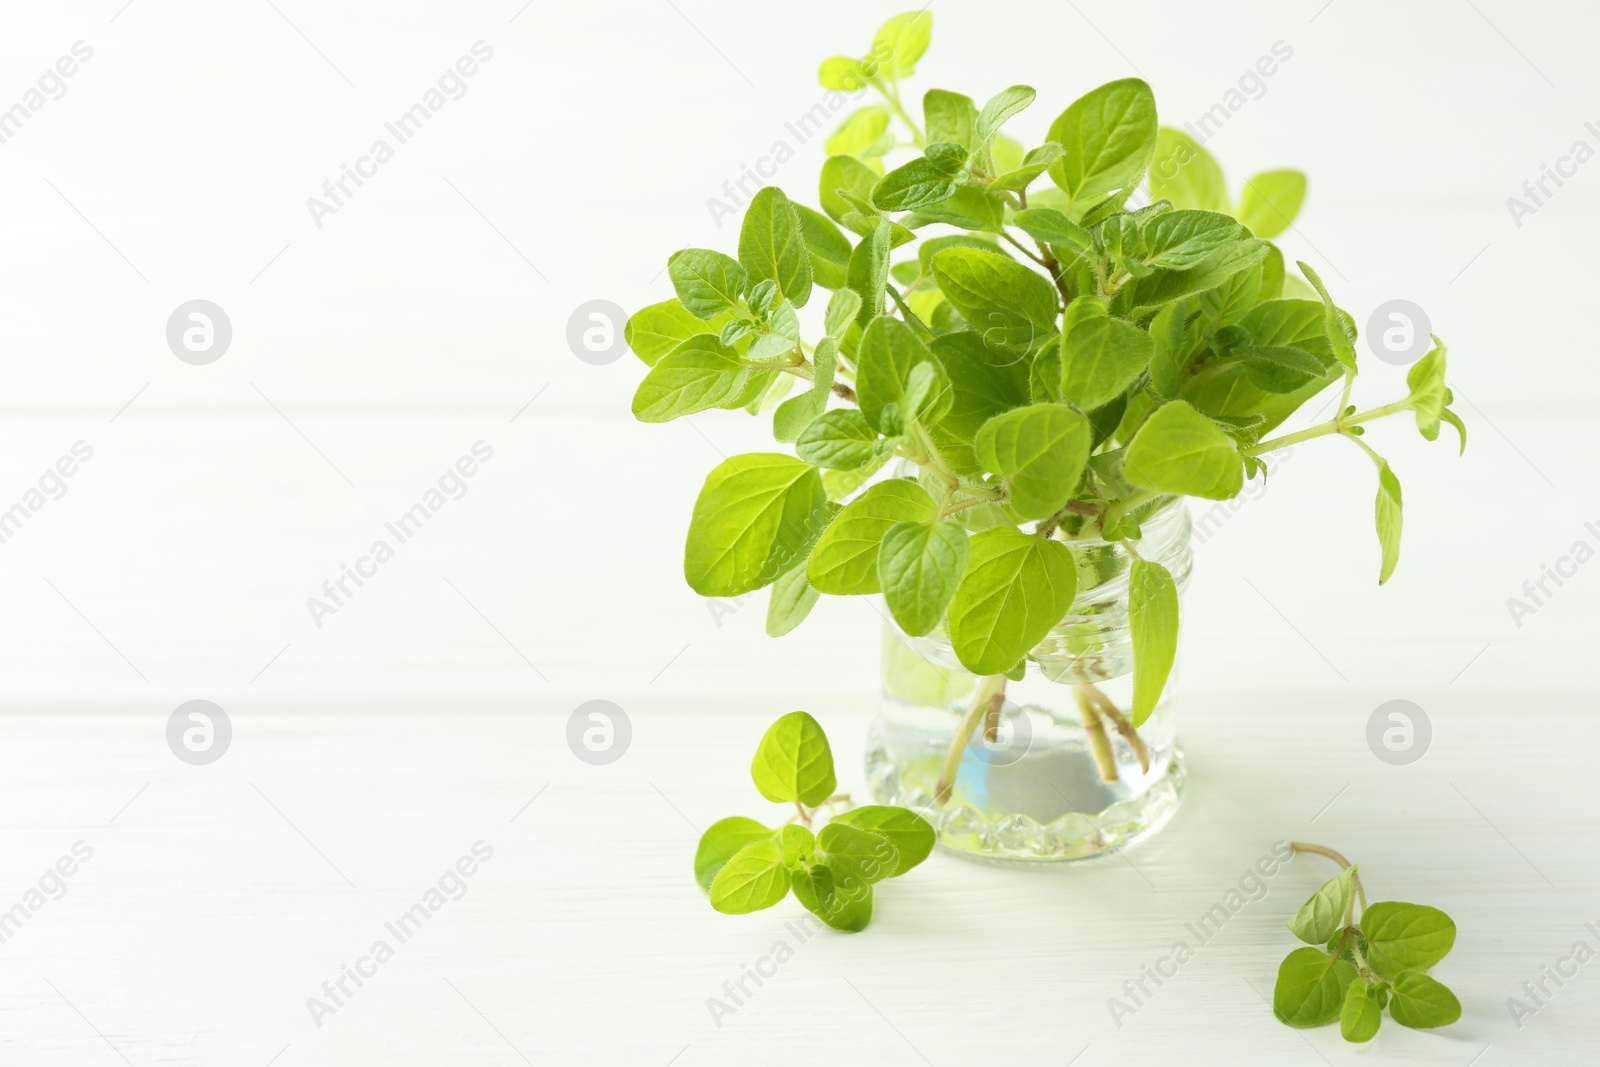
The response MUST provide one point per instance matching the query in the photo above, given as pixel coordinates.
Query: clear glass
(1029, 788)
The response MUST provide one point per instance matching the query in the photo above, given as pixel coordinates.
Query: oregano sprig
(1363, 959)
(747, 866)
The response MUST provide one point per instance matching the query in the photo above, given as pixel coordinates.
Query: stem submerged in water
(1095, 727)
(987, 701)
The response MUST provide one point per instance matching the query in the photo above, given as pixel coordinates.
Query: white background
(431, 312)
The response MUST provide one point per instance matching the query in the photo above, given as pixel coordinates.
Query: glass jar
(1059, 774)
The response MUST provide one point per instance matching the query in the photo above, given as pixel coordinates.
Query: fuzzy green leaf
(868, 273)
(1007, 304)
(1271, 200)
(1153, 625)
(1390, 518)
(1109, 136)
(1422, 1002)
(845, 559)
(1406, 937)
(919, 564)
(838, 440)
(793, 762)
(1179, 450)
(1322, 916)
(1362, 1012)
(721, 842)
(753, 517)
(1310, 987)
(1016, 588)
(754, 879)
(1101, 357)
(701, 373)
(1186, 174)
(708, 283)
(1040, 451)
(791, 601)
(912, 836)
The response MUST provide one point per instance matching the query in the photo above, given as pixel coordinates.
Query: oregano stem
(1336, 424)
(992, 689)
(1117, 512)
(1121, 722)
(1321, 850)
(1095, 727)
(892, 96)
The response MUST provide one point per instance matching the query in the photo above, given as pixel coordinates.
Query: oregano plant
(747, 866)
(1364, 959)
(1049, 344)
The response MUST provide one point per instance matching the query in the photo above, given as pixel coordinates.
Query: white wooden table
(370, 754)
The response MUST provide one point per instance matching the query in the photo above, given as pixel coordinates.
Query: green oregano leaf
(845, 560)
(752, 518)
(1422, 1002)
(792, 600)
(1179, 450)
(1040, 451)
(708, 283)
(1406, 937)
(1323, 915)
(919, 564)
(1389, 520)
(1109, 137)
(721, 842)
(1362, 1012)
(912, 836)
(1311, 987)
(772, 245)
(1153, 625)
(1016, 588)
(754, 879)
(794, 763)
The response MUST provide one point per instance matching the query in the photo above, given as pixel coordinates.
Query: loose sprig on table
(747, 866)
(1364, 961)
(1059, 359)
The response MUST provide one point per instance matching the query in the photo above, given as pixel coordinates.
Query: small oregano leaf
(793, 763)
(754, 879)
(1153, 625)
(1406, 937)
(912, 836)
(1422, 1002)
(1362, 1012)
(721, 842)
(1321, 917)
(1311, 987)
